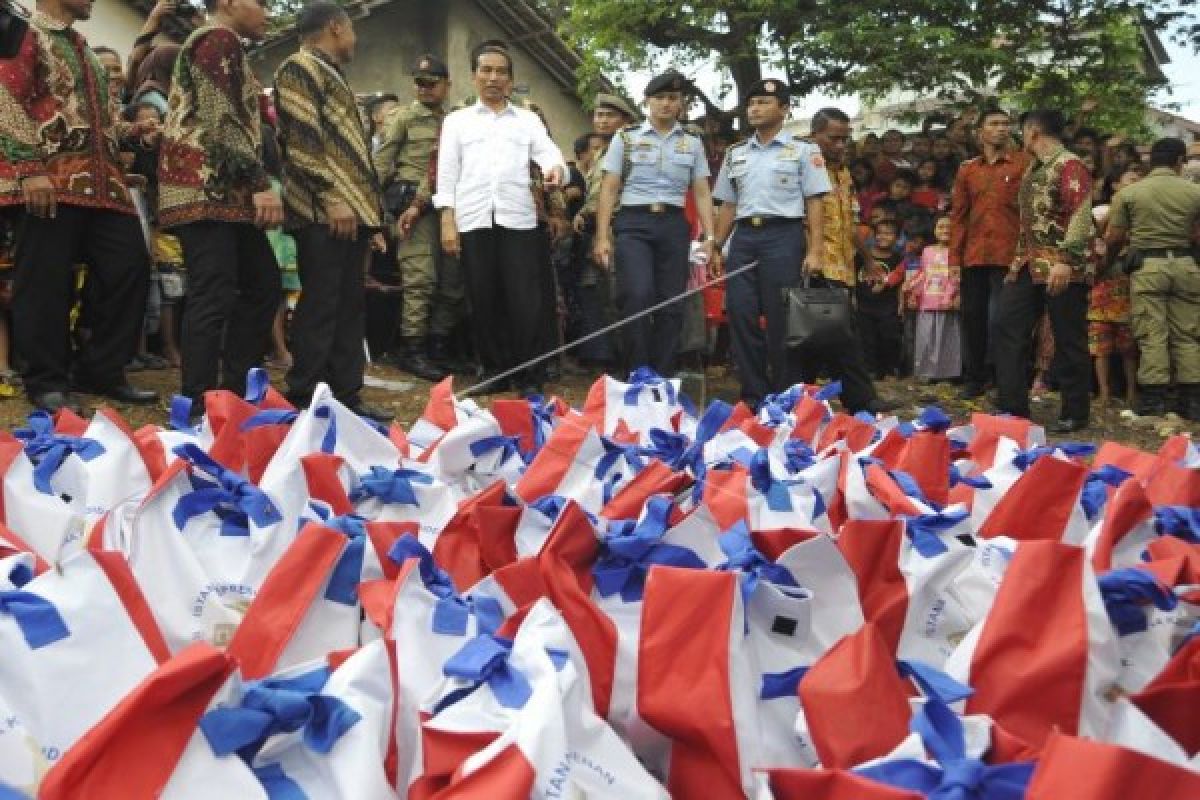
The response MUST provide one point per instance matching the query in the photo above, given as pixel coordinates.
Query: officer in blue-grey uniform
(650, 167)
(769, 186)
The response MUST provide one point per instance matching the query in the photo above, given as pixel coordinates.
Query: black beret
(428, 66)
(669, 81)
(771, 87)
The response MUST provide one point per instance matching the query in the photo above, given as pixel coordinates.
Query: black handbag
(816, 315)
(13, 26)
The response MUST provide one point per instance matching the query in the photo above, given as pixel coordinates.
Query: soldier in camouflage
(403, 162)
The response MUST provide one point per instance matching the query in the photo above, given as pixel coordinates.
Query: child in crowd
(934, 295)
(877, 295)
(929, 193)
(917, 235)
(1109, 330)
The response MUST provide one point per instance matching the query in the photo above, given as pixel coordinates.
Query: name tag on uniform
(789, 153)
(644, 153)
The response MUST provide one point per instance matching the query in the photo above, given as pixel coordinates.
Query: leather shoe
(53, 402)
(971, 391)
(374, 413)
(1068, 425)
(124, 393)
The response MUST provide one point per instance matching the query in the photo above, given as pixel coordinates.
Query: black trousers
(233, 292)
(113, 248)
(595, 305)
(651, 254)
(881, 331)
(330, 319)
(760, 356)
(506, 291)
(980, 294)
(844, 362)
(1021, 305)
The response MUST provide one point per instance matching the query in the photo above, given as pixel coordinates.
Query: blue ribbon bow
(615, 452)
(180, 414)
(485, 660)
(1024, 459)
(509, 447)
(1182, 522)
(48, 450)
(1127, 591)
(632, 548)
(543, 411)
(955, 776)
(347, 573)
(923, 530)
(279, 705)
(393, 487)
(798, 455)
(977, 482)
(36, 617)
(1095, 488)
(934, 419)
(776, 491)
(269, 416)
(233, 498)
(452, 612)
(752, 565)
(258, 381)
(646, 378)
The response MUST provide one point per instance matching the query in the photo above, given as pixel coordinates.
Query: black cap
(771, 87)
(669, 81)
(428, 66)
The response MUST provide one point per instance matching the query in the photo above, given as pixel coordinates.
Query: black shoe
(1152, 401)
(1065, 426)
(375, 413)
(123, 393)
(411, 359)
(1189, 401)
(971, 391)
(53, 402)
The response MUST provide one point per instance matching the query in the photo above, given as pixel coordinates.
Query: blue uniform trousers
(651, 254)
(760, 356)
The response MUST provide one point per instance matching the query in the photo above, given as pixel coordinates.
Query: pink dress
(937, 351)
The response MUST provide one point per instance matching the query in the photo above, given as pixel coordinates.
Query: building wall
(114, 23)
(392, 36)
(467, 27)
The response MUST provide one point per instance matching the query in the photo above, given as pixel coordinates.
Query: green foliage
(1055, 52)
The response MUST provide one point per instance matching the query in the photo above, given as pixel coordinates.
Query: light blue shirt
(661, 167)
(772, 179)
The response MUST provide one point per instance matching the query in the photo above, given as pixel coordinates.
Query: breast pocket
(786, 175)
(679, 166)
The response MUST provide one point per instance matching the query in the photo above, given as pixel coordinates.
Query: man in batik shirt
(60, 134)
(1050, 272)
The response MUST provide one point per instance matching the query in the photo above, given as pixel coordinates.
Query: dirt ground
(1146, 433)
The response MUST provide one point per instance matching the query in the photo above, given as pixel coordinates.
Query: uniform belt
(1166, 252)
(764, 221)
(655, 208)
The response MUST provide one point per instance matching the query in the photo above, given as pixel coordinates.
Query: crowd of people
(291, 223)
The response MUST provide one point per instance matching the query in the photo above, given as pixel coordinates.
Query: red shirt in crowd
(984, 215)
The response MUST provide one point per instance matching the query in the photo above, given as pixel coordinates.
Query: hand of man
(579, 223)
(716, 265)
(812, 264)
(554, 178)
(162, 9)
(1011, 275)
(406, 221)
(1058, 280)
(39, 196)
(343, 224)
(451, 244)
(602, 251)
(379, 243)
(268, 209)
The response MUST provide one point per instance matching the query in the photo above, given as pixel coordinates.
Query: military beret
(669, 81)
(771, 87)
(428, 66)
(604, 100)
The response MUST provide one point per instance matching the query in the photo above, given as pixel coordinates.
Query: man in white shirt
(489, 219)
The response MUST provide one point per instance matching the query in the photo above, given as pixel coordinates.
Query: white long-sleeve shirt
(483, 166)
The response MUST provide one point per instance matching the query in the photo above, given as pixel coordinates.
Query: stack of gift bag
(637, 599)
